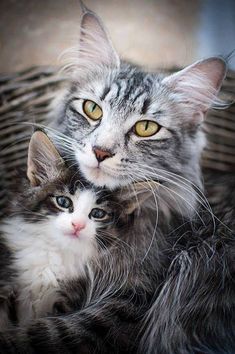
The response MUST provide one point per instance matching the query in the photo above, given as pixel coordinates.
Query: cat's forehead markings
(112, 93)
(145, 106)
(105, 92)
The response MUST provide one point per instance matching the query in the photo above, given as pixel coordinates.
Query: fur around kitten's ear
(197, 85)
(139, 193)
(44, 161)
(95, 49)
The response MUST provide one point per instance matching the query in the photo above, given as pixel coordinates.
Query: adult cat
(122, 124)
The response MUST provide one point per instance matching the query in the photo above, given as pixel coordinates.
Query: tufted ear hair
(95, 47)
(197, 85)
(134, 196)
(44, 161)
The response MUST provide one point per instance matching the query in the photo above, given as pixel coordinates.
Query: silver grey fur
(167, 260)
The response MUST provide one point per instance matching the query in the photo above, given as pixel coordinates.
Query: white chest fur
(42, 262)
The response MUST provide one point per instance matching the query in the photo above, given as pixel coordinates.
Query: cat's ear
(95, 47)
(197, 85)
(135, 195)
(44, 161)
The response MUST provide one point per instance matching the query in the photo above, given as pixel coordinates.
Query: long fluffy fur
(178, 299)
(166, 285)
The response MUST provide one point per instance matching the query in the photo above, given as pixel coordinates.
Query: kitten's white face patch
(64, 224)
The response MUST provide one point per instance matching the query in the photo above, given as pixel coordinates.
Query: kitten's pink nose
(78, 226)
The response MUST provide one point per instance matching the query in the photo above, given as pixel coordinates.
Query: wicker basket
(25, 97)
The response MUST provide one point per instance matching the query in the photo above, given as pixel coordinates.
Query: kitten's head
(59, 204)
(127, 124)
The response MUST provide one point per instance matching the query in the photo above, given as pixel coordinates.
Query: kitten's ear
(44, 161)
(198, 84)
(95, 47)
(139, 193)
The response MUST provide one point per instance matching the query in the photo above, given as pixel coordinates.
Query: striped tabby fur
(167, 289)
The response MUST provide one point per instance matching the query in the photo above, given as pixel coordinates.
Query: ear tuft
(44, 161)
(198, 84)
(83, 7)
(95, 45)
(95, 52)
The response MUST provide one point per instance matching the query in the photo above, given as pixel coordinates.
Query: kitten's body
(41, 267)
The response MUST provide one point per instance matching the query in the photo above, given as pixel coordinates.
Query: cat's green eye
(92, 110)
(146, 128)
(64, 202)
(97, 213)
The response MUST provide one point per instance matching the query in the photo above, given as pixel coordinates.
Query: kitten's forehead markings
(84, 201)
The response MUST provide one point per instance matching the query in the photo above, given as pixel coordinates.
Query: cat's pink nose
(78, 226)
(101, 155)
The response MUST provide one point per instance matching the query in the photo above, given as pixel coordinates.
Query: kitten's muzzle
(100, 154)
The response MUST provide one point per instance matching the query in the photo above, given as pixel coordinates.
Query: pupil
(63, 202)
(92, 107)
(146, 125)
(98, 213)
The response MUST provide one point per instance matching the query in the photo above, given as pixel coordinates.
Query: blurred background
(154, 33)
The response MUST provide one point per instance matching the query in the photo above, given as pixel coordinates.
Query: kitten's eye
(145, 128)
(92, 110)
(64, 202)
(97, 213)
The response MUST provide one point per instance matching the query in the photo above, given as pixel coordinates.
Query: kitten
(104, 284)
(121, 124)
(53, 232)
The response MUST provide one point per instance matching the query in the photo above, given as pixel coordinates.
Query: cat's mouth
(102, 176)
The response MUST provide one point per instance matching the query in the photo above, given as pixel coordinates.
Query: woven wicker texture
(26, 96)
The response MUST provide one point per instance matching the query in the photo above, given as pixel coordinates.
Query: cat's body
(194, 311)
(172, 293)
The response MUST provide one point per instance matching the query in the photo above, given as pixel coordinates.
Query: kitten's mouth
(73, 235)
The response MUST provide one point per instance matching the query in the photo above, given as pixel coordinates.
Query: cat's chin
(101, 178)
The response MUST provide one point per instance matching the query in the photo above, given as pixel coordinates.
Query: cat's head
(57, 202)
(126, 125)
